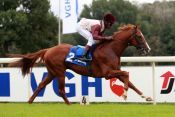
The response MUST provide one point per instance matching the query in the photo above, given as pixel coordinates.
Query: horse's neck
(120, 42)
(118, 47)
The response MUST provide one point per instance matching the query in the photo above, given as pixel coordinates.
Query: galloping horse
(105, 63)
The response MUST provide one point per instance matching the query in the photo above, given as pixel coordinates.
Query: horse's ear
(137, 26)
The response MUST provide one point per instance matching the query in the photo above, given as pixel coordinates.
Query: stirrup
(84, 58)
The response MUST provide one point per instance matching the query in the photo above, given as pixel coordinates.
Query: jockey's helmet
(108, 17)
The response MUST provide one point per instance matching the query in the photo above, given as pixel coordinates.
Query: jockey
(93, 30)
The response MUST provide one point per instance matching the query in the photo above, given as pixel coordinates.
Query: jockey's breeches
(87, 35)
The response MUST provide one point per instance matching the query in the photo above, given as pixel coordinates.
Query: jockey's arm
(97, 35)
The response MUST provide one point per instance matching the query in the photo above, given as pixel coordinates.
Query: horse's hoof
(30, 102)
(124, 97)
(68, 103)
(149, 99)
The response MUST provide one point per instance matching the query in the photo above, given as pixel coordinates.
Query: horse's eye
(138, 37)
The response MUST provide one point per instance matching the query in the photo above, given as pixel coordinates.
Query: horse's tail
(27, 61)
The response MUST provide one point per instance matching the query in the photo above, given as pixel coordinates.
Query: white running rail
(150, 59)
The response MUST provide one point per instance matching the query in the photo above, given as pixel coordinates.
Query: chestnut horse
(105, 63)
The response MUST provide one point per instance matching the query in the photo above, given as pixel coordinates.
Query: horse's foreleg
(43, 83)
(125, 78)
(133, 87)
(139, 92)
(130, 85)
(61, 82)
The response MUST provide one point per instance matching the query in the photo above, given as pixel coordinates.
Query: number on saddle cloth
(75, 53)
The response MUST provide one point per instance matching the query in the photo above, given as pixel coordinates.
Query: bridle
(140, 43)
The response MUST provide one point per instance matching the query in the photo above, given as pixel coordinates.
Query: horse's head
(137, 39)
(131, 35)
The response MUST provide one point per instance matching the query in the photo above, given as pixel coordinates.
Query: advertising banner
(69, 15)
(15, 88)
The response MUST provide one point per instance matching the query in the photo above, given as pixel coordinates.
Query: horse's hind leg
(61, 88)
(43, 83)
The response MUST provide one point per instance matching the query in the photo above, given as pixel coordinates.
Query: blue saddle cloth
(75, 53)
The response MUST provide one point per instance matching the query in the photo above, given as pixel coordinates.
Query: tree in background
(155, 20)
(26, 26)
(124, 11)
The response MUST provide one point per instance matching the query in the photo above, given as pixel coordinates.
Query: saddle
(75, 56)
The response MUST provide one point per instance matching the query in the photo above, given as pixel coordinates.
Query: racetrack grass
(92, 110)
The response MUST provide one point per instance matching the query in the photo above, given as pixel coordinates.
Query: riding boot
(85, 56)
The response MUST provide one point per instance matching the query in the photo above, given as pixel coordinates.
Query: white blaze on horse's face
(146, 44)
(142, 44)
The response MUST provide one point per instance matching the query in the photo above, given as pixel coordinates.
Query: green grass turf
(92, 110)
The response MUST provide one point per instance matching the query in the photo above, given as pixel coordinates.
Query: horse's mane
(124, 27)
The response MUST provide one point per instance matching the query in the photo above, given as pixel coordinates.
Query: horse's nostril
(148, 50)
